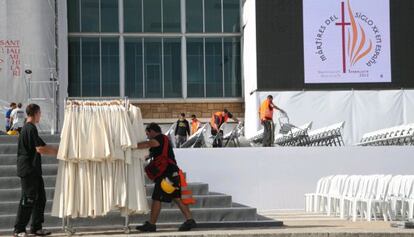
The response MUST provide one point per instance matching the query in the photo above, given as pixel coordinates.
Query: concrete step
(12, 148)
(14, 182)
(13, 194)
(166, 215)
(11, 170)
(10, 180)
(10, 159)
(45, 137)
(203, 201)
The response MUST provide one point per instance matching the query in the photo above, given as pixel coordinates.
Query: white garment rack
(66, 225)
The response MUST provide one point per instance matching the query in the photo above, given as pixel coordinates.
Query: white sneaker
(21, 234)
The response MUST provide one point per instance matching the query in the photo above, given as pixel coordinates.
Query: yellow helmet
(12, 133)
(167, 186)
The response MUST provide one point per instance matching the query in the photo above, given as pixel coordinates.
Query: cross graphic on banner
(343, 24)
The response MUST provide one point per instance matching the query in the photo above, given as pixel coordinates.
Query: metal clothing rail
(66, 225)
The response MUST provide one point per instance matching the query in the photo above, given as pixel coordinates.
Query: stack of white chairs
(304, 136)
(399, 135)
(234, 135)
(298, 136)
(197, 140)
(327, 136)
(257, 138)
(171, 134)
(363, 197)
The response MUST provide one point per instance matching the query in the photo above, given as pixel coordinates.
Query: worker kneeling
(170, 184)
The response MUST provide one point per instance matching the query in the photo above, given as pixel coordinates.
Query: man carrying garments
(218, 119)
(169, 181)
(266, 118)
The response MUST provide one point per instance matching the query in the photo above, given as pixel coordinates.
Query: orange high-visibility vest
(195, 124)
(266, 111)
(186, 194)
(222, 119)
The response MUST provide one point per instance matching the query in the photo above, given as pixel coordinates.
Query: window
(212, 12)
(133, 68)
(208, 60)
(94, 66)
(152, 15)
(89, 15)
(73, 16)
(93, 15)
(153, 68)
(75, 67)
(90, 67)
(214, 67)
(172, 68)
(110, 66)
(231, 15)
(195, 68)
(194, 15)
(171, 16)
(133, 15)
(109, 16)
(232, 68)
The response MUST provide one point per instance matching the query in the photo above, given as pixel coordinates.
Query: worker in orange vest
(218, 119)
(195, 124)
(266, 119)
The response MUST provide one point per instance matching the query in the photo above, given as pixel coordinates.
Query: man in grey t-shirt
(17, 118)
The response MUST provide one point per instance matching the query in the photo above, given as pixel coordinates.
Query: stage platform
(297, 224)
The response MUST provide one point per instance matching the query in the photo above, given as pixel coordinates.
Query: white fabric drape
(98, 172)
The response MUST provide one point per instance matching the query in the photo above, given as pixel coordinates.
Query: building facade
(168, 56)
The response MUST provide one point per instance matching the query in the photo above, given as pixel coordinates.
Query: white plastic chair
(319, 198)
(350, 192)
(391, 197)
(335, 192)
(364, 191)
(405, 195)
(310, 197)
(410, 203)
(375, 202)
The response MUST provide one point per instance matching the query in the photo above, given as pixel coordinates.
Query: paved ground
(296, 225)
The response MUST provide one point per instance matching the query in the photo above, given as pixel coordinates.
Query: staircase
(212, 210)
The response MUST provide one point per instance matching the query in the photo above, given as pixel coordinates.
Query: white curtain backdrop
(362, 111)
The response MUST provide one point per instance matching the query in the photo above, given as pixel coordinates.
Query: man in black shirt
(29, 169)
(182, 129)
(156, 144)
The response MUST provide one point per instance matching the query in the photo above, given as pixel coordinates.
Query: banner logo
(10, 57)
(346, 41)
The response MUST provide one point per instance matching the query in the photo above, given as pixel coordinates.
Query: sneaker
(20, 234)
(147, 227)
(188, 225)
(41, 232)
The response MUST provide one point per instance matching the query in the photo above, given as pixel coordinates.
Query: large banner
(347, 41)
(27, 41)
